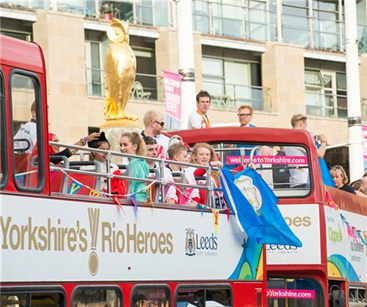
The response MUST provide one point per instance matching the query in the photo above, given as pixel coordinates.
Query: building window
(295, 22)
(326, 93)
(201, 16)
(20, 29)
(326, 24)
(228, 18)
(362, 25)
(232, 82)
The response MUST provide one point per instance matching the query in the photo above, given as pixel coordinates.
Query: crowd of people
(152, 143)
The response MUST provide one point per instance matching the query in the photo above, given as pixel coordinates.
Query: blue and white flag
(245, 216)
(267, 226)
(274, 229)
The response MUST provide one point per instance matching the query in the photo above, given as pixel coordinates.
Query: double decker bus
(61, 245)
(330, 269)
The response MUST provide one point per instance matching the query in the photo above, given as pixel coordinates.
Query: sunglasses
(244, 115)
(159, 123)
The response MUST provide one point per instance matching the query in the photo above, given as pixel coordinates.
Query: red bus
(330, 269)
(60, 248)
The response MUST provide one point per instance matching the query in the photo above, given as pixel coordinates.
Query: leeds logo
(190, 244)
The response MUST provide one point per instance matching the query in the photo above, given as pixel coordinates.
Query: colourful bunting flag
(94, 193)
(215, 220)
(74, 187)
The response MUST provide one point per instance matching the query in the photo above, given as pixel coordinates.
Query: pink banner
(295, 160)
(364, 133)
(286, 293)
(172, 97)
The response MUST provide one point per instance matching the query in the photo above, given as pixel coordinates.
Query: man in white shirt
(199, 118)
(28, 131)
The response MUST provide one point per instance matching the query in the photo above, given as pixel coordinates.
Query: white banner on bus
(304, 221)
(346, 252)
(55, 240)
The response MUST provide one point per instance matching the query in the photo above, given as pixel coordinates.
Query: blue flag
(245, 215)
(274, 229)
(325, 173)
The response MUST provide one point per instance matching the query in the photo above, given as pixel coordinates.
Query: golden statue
(120, 70)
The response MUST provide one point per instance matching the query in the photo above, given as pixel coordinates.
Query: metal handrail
(160, 180)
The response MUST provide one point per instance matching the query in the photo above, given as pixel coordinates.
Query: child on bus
(178, 152)
(204, 154)
(132, 143)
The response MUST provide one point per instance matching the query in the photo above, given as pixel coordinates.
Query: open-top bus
(62, 245)
(330, 269)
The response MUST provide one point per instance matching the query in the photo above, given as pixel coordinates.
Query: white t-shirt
(197, 121)
(163, 142)
(299, 175)
(171, 193)
(27, 131)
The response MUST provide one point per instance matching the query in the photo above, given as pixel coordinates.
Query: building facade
(281, 56)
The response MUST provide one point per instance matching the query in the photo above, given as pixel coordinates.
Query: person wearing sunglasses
(199, 118)
(153, 127)
(245, 115)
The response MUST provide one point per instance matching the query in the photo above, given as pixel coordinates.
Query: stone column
(283, 72)
(167, 56)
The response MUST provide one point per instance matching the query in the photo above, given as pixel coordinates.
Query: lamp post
(186, 63)
(353, 92)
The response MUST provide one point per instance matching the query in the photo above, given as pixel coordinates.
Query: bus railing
(160, 181)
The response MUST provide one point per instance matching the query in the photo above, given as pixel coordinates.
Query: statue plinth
(113, 130)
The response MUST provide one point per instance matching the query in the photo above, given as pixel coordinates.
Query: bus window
(294, 292)
(96, 297)
(3, 138)
(204, 297)
(284, 168)
(146, 296)
(28, 153)
(34, 299)
(357, 296)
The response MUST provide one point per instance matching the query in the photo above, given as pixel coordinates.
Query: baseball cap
(297, 117)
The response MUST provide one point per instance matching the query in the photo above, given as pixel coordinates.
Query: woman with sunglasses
(340, 179)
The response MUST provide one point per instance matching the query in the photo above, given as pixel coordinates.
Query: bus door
(336, 294)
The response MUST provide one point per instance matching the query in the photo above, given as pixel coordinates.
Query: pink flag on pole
(172, 98)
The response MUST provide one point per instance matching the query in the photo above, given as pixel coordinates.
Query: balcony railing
(255, 20)
(326, 105)
(145, 87)
(231, 96)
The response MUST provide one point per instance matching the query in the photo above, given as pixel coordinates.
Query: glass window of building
(122, 10)
(95, 46)
(84, 7)
(16, 28)
(261, 23)
(295, 22)
(228, 18)
(326, 24)
(200, 16)
(362, 25)
(232, 81)
(326, 93)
